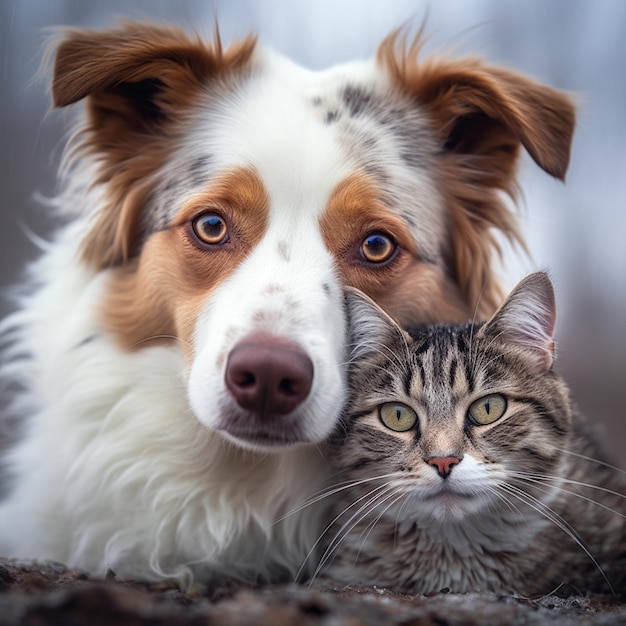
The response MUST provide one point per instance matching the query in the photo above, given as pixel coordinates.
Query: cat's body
(462, 453)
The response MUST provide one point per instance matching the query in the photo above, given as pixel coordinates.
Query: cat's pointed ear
(528, 318)
(369, 327)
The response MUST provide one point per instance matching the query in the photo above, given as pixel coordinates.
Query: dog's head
(239, 192)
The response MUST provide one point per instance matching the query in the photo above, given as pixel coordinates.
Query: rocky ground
(48, 593)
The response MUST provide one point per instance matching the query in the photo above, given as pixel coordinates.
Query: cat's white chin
(449, 506)
(447, 503)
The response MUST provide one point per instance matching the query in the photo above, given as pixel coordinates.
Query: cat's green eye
(396, 416)
(487, 410)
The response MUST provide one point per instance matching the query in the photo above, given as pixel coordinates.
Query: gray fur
(523, 535)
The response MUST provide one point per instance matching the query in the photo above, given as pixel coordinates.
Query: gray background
(576, 230)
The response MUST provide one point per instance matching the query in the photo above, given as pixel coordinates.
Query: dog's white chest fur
(116, 470)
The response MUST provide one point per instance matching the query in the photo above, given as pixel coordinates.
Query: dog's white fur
(157, 493)
(117, 471)
(127, 462)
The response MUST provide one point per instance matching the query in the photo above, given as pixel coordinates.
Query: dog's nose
(268, 376)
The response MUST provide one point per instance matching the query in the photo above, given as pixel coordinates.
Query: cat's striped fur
(513, 503)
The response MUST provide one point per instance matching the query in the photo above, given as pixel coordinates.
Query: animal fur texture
(215, 200)
(463, 465)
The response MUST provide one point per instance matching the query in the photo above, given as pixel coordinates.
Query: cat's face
(454, 417)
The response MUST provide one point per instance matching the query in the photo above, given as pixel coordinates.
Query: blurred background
(578, 230)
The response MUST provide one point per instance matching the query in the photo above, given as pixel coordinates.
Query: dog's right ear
(138, 81)
(370, 329)
(481, 115)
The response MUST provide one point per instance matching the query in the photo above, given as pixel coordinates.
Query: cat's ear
(528, 318)
(369, 327)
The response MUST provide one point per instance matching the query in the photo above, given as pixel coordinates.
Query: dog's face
(240, 193)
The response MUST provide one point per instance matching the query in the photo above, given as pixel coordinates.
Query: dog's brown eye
(210, 228)
(378, 248)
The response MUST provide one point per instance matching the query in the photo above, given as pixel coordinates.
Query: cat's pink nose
(443, 464)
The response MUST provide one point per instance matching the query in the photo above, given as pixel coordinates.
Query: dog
(180, 349)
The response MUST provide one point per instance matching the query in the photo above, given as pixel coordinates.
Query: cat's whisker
(405, 364)
(333, 490)
(478, 301)
(550, 486)
(366, 502)
(472, 356)
(569, 481)
(480, 363)
(494, 491)
(403, 336)
(407, 499)
(477, 358)
(472, 327)
(372, 346)
(347, 527)
(551, 515)
(376, 368)
(592, 460)
(313, 548)
(485, 364)
(394, 497)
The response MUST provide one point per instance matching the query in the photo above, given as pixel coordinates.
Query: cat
(462, 466)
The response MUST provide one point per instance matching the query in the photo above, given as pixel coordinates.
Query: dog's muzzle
(267, 376)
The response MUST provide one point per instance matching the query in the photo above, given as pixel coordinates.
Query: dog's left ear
(490, 111)
(481, 116)
(138, 81)
(483, 110)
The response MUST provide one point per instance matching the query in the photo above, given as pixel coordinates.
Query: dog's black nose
(268, 376)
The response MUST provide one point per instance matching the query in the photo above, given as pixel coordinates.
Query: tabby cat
(462, 465)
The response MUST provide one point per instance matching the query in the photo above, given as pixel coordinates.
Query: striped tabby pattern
(462, 466)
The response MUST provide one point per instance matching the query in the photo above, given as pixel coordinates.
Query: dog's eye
(378, 248)
(210, 228)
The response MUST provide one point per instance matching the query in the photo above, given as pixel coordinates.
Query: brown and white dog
(181, 351)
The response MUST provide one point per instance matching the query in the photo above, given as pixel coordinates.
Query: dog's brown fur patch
(408, 287)
(482, 115)
(139, 80)
(158, 295)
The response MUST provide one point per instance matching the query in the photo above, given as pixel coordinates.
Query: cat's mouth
(447, 492)
(448, 502)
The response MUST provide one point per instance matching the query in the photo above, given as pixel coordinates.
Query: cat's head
(460, 417)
